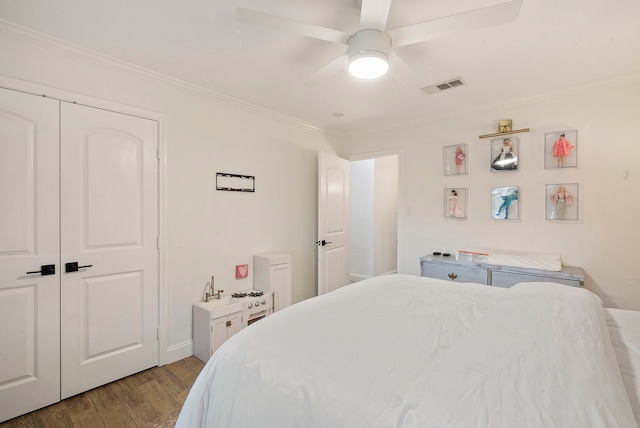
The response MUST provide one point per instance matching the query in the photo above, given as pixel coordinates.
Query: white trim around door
(164, 356)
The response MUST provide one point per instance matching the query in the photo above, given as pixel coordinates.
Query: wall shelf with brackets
(504, 128)
(235, 182)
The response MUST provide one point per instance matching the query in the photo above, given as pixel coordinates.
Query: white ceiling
(553, 45)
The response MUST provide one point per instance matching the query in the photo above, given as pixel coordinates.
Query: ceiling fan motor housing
(369, 40)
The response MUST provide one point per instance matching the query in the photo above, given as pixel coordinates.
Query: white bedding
(624, 329)
(407, 351)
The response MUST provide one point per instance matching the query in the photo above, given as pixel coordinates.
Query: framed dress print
(455, 202)
(561, 201)
(455, 159)
(504, 154)
(561, 149)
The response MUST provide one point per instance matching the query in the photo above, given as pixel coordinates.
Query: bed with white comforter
(407, 351)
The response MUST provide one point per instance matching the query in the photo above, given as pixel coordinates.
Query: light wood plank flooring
(151, 399)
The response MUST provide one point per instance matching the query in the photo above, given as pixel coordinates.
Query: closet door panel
(29, 239)
(114, 189)
(109, 228)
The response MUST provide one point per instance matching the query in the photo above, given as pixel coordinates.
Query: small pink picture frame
(242, 271)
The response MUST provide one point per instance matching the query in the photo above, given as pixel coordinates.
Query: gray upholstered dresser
(449, 268)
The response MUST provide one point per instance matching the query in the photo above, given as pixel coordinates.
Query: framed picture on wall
(455, 159)
(504, 203)
(455, 202)
(561, 149)
(561, 201)
(504, 154)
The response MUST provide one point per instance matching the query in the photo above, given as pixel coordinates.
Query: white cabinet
(212, 326)
(272, 274)
(223, 328)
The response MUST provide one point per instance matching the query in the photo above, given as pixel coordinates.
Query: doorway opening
(374, 217)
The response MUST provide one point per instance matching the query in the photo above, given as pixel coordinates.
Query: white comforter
(406, 351)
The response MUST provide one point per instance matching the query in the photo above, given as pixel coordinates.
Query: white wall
(386, 215)
(605, 241)
(362, 219)
(208, 231)
(374, 196)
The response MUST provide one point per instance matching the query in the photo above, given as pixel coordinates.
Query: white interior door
(109, 228)
(333, 222)
(29, 239)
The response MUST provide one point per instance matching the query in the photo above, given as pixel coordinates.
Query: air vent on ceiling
(443, 86)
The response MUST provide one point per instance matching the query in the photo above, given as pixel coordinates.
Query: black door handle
(323, 243)
(45, 270)
(73, 267)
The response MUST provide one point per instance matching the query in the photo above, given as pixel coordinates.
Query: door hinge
(158, 152)
(157, 242)
(157, 334)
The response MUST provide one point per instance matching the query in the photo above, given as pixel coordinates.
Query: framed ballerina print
(504, 203)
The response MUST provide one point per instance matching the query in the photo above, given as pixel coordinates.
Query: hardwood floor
(151, 399)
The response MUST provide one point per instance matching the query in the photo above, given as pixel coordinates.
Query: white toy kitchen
(219, 318)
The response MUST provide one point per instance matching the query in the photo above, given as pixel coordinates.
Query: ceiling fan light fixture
(368, 65)
(369, 54)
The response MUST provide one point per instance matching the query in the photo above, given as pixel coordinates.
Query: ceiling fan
(370, 49)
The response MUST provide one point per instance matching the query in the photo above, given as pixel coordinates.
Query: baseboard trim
(355, 277)
(179, 352)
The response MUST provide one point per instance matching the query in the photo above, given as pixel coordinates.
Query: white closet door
(109, 211)
(29, 239)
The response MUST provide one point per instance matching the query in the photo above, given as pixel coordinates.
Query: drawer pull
(452, 276)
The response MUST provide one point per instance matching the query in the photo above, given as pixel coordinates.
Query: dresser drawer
(507, 279)
(452, 272)
(441, 267)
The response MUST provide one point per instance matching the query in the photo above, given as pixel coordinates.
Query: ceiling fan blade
(403, 73)
(297, 27)
(374, 13)
(327, 71)
(474, 19)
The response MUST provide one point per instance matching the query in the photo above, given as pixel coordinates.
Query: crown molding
(594, 85)
(33, 37)
(28, 35)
